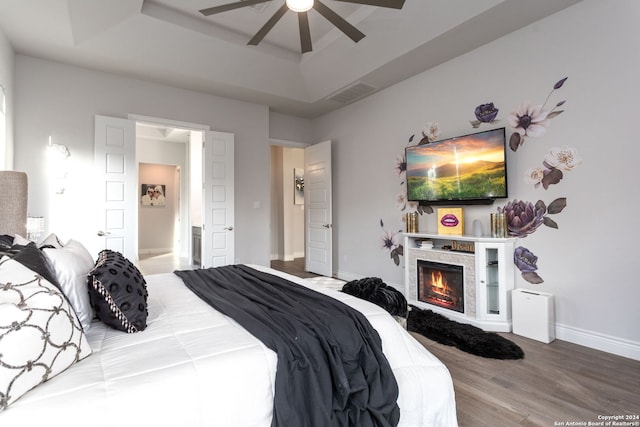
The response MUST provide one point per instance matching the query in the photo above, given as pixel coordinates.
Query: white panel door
(218, 235)
(318, 214)
(117, 176)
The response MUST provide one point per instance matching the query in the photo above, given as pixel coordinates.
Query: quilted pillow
(40, 335)
(118, 292)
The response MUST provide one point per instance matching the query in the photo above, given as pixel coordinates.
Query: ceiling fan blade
(394, 4)
(305, 32)
(351, 31)
(230, 6)
(269, 25)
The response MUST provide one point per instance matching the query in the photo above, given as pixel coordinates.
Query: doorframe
(186, 195)
(286, 144)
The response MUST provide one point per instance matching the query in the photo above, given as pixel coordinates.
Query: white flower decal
(534, 176)
(529, 120)
(562, 158)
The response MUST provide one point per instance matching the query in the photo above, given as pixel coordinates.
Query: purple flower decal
(523, 218)
(486, 113)
(526, 262)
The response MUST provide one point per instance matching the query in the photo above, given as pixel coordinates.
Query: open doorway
(287, 210)
(165, 197)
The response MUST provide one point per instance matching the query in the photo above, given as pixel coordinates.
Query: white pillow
(51, 240)
(39, 334)
(71, 264)
(19, 240)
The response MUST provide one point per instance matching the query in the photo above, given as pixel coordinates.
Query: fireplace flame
(437, 280)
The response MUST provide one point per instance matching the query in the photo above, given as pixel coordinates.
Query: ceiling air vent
(352, 93)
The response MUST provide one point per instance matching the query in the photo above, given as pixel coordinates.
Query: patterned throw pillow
(40, 335)
(118, 292)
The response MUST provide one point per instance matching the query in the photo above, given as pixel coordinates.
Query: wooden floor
(295, 267)
(553, 385)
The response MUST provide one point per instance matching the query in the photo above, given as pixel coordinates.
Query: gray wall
(61, 101)
(6, 80)
(589, 262)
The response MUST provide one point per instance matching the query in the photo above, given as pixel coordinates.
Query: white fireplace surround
(488, 276)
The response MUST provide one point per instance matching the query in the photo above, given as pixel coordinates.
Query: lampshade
(35, 227)
(299, 5)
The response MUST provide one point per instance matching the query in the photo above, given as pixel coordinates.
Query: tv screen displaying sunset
(463, 168)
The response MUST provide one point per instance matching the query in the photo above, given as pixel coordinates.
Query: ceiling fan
(301, 7)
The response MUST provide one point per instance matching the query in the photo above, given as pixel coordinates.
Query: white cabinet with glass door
(495, 275)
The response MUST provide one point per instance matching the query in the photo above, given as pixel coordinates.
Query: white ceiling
(170, 42)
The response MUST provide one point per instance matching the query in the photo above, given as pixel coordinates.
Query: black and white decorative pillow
(31, 257)
(118, 292)
(40, 335)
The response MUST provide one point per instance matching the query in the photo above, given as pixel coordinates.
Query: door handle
(327, 225)
(229, 228)
(103, 233)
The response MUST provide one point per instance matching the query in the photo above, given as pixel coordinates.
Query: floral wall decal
(391, 242)
(526, 262)
(430, 133)
(524, 218)
(532, 120)
(555, 161)
(485, 113)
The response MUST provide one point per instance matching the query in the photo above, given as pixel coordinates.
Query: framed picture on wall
(298, 186)
(153, 195)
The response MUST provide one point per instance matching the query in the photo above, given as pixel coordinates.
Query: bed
(194, 366)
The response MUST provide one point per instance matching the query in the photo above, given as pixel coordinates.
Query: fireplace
(441, 284)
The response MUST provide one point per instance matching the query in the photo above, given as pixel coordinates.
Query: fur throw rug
(432, 325)
(468, 338)
(374, 290)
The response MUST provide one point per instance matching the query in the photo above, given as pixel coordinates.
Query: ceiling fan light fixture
(299, 5)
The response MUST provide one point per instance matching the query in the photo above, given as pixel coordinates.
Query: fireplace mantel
(488, 275)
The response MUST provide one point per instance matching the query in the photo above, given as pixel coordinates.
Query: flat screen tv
(469, 169)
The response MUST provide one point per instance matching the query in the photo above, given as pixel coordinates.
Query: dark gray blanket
(331, 369)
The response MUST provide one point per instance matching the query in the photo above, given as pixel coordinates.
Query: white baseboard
(594, 340)
(606, 343)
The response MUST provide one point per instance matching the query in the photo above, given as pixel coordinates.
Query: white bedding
(193, 366)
